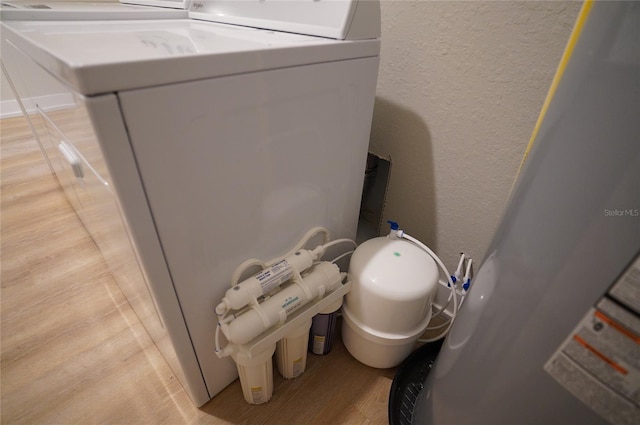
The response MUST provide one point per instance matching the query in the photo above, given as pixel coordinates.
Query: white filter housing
(291, 352)
(256, 375)
(389, 306)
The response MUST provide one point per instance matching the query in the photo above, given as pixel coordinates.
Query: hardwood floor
(73, 350)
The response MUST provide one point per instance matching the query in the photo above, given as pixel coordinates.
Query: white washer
(33, 10)
(189, 146)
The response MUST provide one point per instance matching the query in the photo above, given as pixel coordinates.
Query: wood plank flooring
(73, 350)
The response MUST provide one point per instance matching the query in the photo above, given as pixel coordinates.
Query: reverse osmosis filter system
(550, 331)
(291, 305)
(272, 312)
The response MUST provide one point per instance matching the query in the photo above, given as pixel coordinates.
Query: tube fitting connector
(466, 285)
(395, 232)
(221, 308)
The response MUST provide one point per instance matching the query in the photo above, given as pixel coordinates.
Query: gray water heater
(550, 331)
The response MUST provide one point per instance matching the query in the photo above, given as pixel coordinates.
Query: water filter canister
(256, 375)
(324, 277)
(389, 306)
(323, 329)
(291, 352)
(266, 280)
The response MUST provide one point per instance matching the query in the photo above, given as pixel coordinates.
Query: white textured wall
(459, 91)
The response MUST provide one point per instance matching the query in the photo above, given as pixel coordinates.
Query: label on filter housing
(599, 362)
(318, 344)
(291, 304)
(298, 367)
(257, 395)
(274, 276)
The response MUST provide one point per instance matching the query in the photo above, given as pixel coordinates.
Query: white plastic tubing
(402, 234)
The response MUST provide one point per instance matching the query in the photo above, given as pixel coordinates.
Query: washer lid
(340, 19)
(97, 57)
(25, 10)
(174, 4)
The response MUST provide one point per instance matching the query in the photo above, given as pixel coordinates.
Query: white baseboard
(49, 102)
(9, 109)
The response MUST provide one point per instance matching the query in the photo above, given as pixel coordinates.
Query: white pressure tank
(389, 305)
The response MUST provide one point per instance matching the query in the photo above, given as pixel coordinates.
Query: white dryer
(188, 146)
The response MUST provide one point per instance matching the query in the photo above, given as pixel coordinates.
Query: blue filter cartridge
(323, 329)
